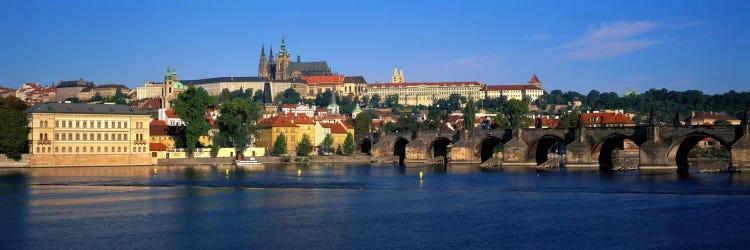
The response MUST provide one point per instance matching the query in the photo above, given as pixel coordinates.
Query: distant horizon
(571, 46)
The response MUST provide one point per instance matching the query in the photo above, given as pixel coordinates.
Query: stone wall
(60, 160)
(5, 162)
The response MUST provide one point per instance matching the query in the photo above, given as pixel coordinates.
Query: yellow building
(354, 85)
(159, 134)
(531, 91)
(270, 128)
(425, 93)
(72, 134)
(338, 131)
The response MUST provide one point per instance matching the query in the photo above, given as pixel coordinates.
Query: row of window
(89, 149)
(87, 124)
(90, 136)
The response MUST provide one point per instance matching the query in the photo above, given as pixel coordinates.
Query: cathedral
(279, 66)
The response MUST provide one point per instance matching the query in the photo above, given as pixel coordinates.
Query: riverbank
(271, 160)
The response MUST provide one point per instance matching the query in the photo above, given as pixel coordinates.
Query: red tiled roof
(153, 103)
(336, 128)
(300, 118)
(289, 106)
(276, 121)
(606, 118)
(549, 122)
(332, 79)
(157, 146)
(715, 116)
(511, 87)
(321, 110)
(157, 127)
(171, 114)
(348, 126)
(534, 79)
(416, 84)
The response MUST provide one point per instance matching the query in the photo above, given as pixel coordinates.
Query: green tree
(571, 119)
(328, 143)
(375, 101)
(391, 101)
(362, 123)
(470, 115)
(279, 146)
(289, 96)
(14, 129)
(258, 96)
(407, 122)
(305, 146)
(515, 110)
(191, 106)
(435, 119)
(349, 144)
(237, 122)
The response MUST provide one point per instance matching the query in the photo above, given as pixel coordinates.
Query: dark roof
(355, 79)
(319, 67)
(76, 83)
(81, 108)
(118, 86)
(222, 79)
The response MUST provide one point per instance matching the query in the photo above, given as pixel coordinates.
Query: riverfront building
(73, 134)
(428, 93)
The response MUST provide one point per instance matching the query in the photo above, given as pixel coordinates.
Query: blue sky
(571, 45)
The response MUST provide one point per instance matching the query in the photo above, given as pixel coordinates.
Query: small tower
(535, 81)
(168, 90)
(282, 62)
(263, 66)
(401, 76)
(394, 77)
(271, 65)
(298, 57)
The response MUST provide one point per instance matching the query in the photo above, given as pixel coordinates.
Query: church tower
(271, 66)
(262, 66)
(535, 81)
(168, 91)
(282, 62)
(401, 76)
(394, 77)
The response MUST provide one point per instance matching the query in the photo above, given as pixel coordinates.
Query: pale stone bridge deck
(661, 147)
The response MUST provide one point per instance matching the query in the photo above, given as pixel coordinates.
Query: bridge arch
(399, 149)
(365, 145)
(680, 148)
(438, 147)
(539, 148)
(487, 145)
(603, 150)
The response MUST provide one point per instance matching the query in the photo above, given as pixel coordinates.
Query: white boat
(247, 162)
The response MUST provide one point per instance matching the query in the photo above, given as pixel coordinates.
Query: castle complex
(279, 67)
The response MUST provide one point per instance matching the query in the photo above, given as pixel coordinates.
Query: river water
(352, 207)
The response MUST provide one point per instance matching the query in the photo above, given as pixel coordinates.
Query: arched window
(78, 136)
(125, 137)
(63, 149)
(91, 149)
(119, 149)
(70, 149)
(37, 150)
(113, 149)
(56, 149)
(63, 136)
(98, 149)
(57, 136)
(105, 149)
(84, 148)
(77, 150)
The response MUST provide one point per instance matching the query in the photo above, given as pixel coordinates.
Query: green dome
(177, 85)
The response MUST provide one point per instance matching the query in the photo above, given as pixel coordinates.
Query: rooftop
(81, 108)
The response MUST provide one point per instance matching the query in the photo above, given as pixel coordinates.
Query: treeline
(666, 103)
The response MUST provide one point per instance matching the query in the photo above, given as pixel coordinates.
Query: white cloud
(539, 37)
(610, 40)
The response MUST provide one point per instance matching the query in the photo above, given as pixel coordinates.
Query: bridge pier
(654, 156)
(416, 151)
(578, 153)
(740, 151)
(515, 151)
(464, 151)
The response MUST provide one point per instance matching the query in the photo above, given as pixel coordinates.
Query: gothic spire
(282, 51)
(298, 56)
(262, 50)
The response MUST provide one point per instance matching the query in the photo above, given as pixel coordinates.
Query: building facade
(279, 66)
(70, 89)
(73, 134)
(425, 93)
(530, 92)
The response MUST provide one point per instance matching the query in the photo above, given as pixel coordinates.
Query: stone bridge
(661, 146)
